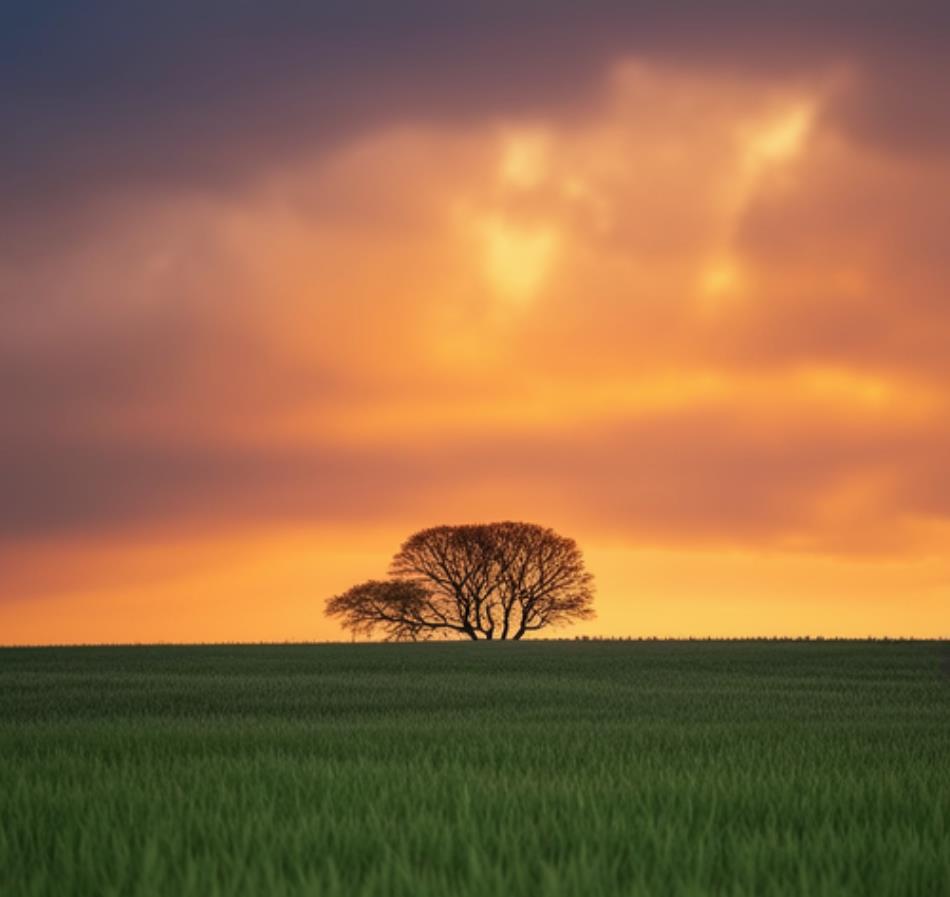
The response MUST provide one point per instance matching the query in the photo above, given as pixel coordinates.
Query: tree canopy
(480, 581)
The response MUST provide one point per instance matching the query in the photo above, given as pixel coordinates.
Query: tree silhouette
(483, 581)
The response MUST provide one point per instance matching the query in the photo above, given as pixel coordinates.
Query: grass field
(544, 768)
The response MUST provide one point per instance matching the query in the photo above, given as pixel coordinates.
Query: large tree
(483, 581)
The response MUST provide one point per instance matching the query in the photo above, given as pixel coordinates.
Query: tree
(481, 581)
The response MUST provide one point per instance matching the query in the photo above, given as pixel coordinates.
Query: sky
(282, 283)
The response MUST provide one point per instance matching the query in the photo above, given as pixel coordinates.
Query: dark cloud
(716, 476)
(102, 97)
(89, 486)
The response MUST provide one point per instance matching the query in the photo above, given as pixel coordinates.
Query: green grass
(545, 768)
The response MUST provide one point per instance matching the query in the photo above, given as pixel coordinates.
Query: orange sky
(695, 316)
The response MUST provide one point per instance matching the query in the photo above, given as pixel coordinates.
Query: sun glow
(720, 278)
(782, 137)
(517, 257)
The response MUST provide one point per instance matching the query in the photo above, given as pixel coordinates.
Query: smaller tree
(397, 607)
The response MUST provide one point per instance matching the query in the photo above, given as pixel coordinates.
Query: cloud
(670, 285)
(109, 99)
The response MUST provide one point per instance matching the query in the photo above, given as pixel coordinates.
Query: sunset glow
(692, 313)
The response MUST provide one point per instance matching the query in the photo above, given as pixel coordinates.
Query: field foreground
(544, 768)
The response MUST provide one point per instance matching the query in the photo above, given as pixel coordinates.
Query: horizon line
(579, 638)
